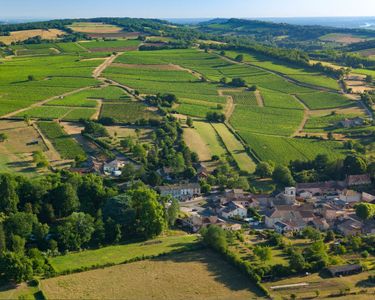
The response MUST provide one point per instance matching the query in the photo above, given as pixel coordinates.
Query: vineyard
(64, 144)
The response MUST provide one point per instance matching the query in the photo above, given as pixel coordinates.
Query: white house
(350, 196)
(234, 210)
(114, 167)
(181, 191)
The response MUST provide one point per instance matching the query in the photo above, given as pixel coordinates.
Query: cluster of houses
(323, 205)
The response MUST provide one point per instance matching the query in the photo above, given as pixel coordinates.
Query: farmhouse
(344, 270)
(181, 191)
(234, 210)
(350, 196)
(350, 123)
(114, 167)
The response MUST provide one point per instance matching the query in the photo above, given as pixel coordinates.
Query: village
(322, 205)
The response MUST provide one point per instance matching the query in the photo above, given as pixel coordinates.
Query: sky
(48, 9)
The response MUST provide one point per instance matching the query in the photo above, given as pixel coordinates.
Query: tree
(8, 195)
(31, 78)
(264, 169)
(189, 122)
(238, 82)
(20, 223)
(149, 213)
(369, 79)
(311, 233)
(354, 165)
(27, 120)
(64, 200)
(172, 212)
(3, 137)
(40, 160)
(330, 236)
(283, 176)
(224, 80)
(127, 143)
(365, 211)
(297, 262)
(3, 246)
(239, 58)
(75, 231)
(215, 237)
(15, 267)
(264, 253)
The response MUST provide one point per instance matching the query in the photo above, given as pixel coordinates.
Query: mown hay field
(16, 151)
(22, 35)
(235, 148)
(94, 27)
(190, 275)
(211, 138)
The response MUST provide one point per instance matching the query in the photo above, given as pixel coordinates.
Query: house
(234, 210)
(345, 270)
(181, 191)
(233, 227)
(196, 222)
(356, 180)
(330, 212)
(350, 196)
(288, 197)
(114, 167)
(350, 227)
(320, 224)
(367, 197)
(349, 123)
(369, 227)
(202, 171)
(327, 188)
(281, 213)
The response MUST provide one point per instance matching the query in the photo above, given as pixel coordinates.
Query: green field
(121, 253)
(209, 135)
(280, 100)
(242, 97)
(296, 73)
(64, 144)
(53, 76)
(282, 150)
(235, 148)
(323, 100)
(325, 123)
(266, 120)
(127, 112)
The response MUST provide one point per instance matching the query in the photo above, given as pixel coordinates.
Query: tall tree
(8, 194)
(64, 200)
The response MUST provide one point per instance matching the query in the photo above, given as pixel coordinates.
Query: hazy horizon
(166, 9)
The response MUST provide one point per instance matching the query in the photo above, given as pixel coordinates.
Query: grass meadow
(190, 275)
